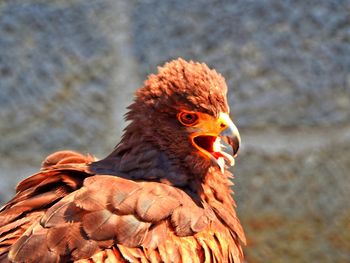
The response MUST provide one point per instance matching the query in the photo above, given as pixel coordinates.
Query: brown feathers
(85, 222)
(152, 200)
(180, 83)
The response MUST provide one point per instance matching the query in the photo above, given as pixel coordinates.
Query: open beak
(218, 139)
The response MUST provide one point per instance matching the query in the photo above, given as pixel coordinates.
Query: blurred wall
(69, 68)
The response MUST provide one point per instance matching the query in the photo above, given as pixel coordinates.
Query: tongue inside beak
(212, 147)
(220, 156)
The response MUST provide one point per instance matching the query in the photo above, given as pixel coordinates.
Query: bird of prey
(163, 194)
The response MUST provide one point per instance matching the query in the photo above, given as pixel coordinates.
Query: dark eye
(188, 118)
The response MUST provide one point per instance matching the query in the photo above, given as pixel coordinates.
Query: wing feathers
(131, 231)
(108, 219)
(99, 225)
(32, 242)
(155, 204)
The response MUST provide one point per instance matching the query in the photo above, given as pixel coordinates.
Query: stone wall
(69, 68)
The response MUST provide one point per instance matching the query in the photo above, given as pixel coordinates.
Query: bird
(164, 193)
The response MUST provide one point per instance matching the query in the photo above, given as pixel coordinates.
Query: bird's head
(183, 110)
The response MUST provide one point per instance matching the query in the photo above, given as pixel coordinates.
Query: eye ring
(188, 118)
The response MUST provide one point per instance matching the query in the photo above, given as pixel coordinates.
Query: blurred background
(68, 69)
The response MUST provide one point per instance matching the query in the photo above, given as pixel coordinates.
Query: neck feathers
(217, 193)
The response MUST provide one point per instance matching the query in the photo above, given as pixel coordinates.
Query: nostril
(223, 125)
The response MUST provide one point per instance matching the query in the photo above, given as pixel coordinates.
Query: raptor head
(183, 110)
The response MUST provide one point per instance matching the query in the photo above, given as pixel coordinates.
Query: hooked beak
(218, 135)
(230, 135)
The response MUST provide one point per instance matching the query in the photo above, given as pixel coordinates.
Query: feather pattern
(151, 200)
(146, 219)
